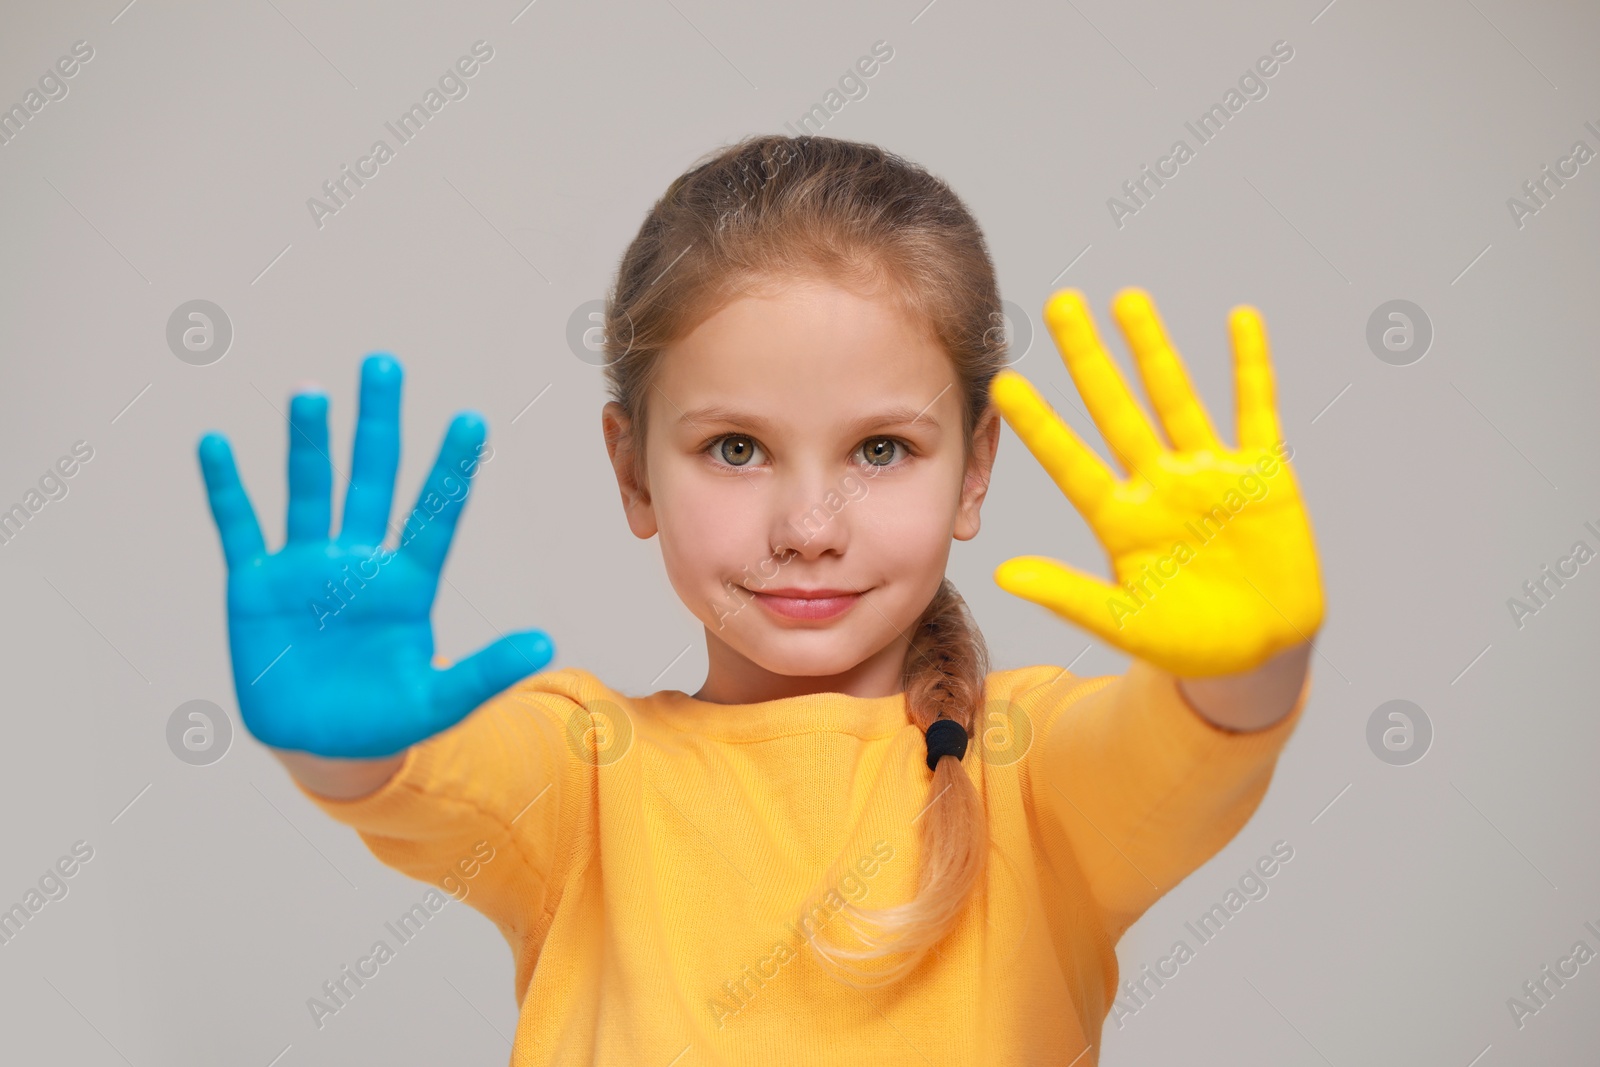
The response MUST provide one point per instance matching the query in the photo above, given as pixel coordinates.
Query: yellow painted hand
(1211, 546)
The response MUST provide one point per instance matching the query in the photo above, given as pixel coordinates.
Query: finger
(376, 456)
(310, 471)
(1161, 369)
(461, 688)
(1077, 597)
(1105, 393)
(230, 505)
(426, 535)
(1076, 470)
(1255, 392)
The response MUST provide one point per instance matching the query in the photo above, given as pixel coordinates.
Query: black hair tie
(946, 737)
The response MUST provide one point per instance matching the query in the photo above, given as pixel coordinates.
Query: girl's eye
(880, 451)
(734, 449)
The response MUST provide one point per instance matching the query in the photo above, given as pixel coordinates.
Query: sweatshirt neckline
(863, 717)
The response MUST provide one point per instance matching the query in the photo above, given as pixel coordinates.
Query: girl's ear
(985, 442)
(620, 446)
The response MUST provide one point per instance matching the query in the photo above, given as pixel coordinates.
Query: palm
(282, 605)
(330, 638)
(1210, 546)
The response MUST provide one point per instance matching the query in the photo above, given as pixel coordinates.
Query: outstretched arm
(1135, 790)
(333, 660)
(1216, 594)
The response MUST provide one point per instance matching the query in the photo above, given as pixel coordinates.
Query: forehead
(808, 354)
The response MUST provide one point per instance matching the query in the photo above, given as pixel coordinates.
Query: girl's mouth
(807, 604)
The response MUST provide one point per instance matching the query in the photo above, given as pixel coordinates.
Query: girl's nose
(810, 518)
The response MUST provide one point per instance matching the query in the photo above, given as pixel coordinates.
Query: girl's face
(803, 440)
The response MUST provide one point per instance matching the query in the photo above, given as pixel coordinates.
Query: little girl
(854, 843)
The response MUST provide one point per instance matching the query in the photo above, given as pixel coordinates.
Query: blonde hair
(772, 208)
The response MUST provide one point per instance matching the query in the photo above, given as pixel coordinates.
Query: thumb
(1075, 596)
(461, 688)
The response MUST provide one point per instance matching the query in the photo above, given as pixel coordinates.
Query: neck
(733, 678)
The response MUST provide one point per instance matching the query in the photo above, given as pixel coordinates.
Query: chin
(802, 655)
(804, 663)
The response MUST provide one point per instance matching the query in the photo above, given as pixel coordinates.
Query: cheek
(914, 513)
(707, 528)
(905, 529)
(907, 536)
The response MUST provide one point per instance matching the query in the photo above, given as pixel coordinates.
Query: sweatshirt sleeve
(477, 809)
(1137, 786)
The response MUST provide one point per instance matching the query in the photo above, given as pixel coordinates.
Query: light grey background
(1378, 167)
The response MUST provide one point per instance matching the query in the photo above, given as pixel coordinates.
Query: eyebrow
(887, 418)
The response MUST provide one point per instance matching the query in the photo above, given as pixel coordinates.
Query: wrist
(1250, 700)
(339, 779)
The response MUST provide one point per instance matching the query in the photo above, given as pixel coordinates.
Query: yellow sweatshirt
(648, 858)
